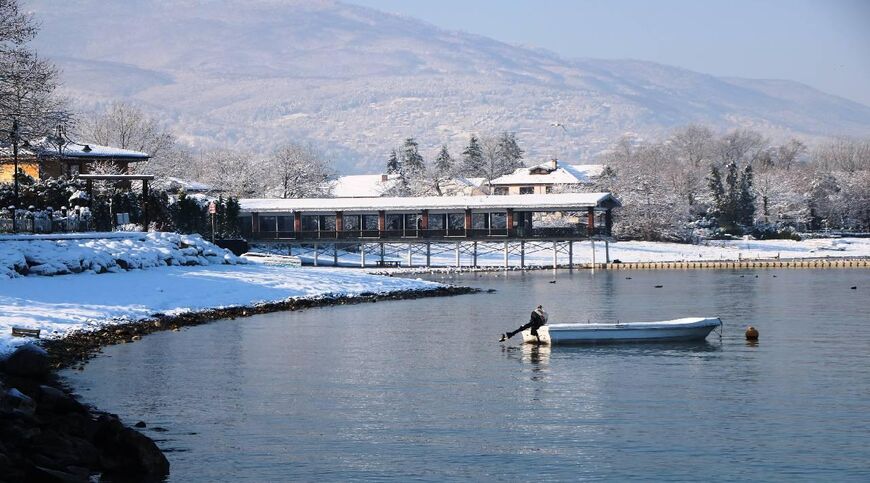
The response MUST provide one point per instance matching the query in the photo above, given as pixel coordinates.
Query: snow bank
(62, 255)
(57, 306)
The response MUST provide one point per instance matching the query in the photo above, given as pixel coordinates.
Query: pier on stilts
(410, 232)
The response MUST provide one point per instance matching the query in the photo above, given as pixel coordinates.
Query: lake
(421, 389)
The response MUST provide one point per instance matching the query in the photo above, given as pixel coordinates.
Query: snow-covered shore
(94, 289)
(58, 305)
(101, 253)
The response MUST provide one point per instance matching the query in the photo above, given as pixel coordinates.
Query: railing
(43, 222)
(576, 232)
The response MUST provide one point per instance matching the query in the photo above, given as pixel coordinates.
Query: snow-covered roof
(362, 185)
(545, 174)
(6, 151)
(178, 184)
(72, 149)
(551, 202)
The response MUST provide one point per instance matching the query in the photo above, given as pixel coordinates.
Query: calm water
(421, 389)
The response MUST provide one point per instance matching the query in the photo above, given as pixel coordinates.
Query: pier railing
(562, 233)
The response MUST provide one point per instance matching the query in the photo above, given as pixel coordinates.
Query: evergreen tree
(231, 218)
(444, 162)
(730, 214)
(412, 163)
(189, 216)
(717, 193)
(393, 166)
(747, 198)
(159, 211)
(510, 152)
(472, 158)
(219, 217)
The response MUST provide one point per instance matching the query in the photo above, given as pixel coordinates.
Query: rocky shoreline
(46, 434)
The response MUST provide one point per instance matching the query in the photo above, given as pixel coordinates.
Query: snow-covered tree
(510, 152)
(472, 157)
(393, 166)
(125, 126)
(444, 163)
(27, 82)
(297, 171)
(235, 173)
(411, 161)
(746, 198)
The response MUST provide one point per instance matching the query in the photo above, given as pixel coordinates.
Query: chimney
(384, 178)
(554, 164)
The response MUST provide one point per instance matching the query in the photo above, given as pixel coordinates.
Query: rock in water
(127, 451)
(14, 403)
(29, 360)
(59, 401)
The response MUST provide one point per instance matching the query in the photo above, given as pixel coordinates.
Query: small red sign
(212, 208)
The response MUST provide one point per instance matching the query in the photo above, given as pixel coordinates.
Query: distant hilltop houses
(544, 178)
(52, 158)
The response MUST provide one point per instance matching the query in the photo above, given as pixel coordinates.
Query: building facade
(46, 158)
(549, 177)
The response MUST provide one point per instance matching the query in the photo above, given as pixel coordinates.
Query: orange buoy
(751, 333)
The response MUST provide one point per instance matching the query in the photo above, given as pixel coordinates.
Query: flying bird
(559, 124)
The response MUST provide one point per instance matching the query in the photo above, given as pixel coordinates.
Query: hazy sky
(822, 43)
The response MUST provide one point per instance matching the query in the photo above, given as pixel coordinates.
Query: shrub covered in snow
(65, 255)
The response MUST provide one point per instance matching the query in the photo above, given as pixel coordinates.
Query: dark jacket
(536, 320)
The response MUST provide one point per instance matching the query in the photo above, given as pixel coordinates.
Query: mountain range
(353, 81)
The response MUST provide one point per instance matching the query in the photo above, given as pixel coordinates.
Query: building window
(436, 222)
(500, 190)
(285, 223)
(412, 223)
(394, 222)
(480, 221)
(549, 189)
(370, 222)
(268, 223)
(310, 223)
(350, 222)
(527, 190)
(327, 222)
(498, 221)
(455, 222)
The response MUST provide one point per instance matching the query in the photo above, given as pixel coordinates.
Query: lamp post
(15, 137)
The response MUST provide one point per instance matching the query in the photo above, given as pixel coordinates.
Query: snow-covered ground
(541, 254)
(101, 253)
(60, 304)
(167, 280)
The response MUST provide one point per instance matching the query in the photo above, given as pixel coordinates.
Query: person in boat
(537, 320)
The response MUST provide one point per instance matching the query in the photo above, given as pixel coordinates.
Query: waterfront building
(549, 177)
(50, 158)
(430, 217)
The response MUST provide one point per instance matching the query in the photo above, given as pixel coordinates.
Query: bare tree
(27, 82)
(16, 27)
(843, 154)
(27, 94)
(693, 144)
(786, 155)
(740, 146)
(297, 171)
(128, 127)
(237, 174)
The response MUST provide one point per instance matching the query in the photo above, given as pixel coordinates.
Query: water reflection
(441, 400)
(537, 355)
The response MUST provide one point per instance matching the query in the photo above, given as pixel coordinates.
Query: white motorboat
(692, 328)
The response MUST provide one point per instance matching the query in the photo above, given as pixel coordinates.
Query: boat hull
(673, 330)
